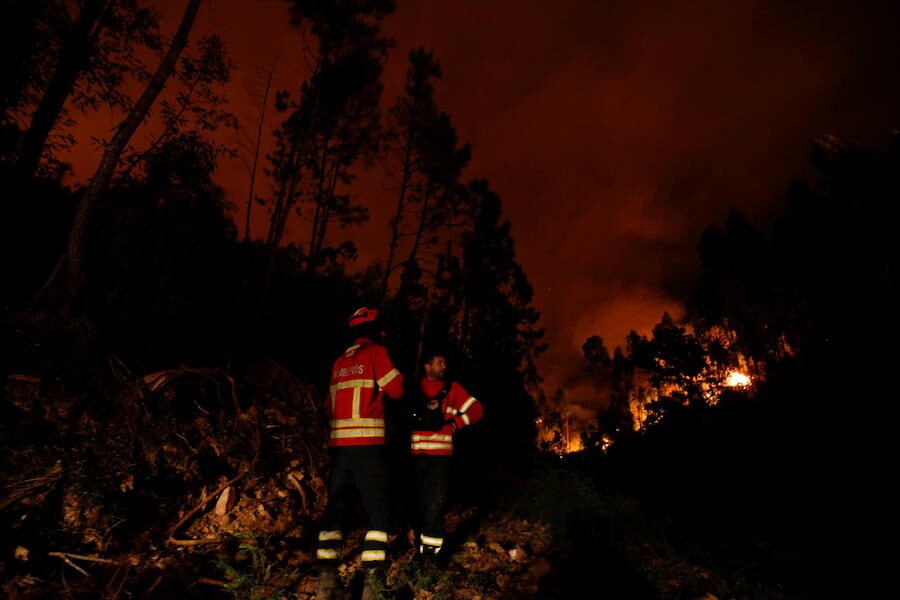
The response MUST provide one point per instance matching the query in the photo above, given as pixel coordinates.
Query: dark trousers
(432, 485)
(355, 469)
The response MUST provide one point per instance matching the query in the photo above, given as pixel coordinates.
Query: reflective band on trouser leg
(374, 550)
(430, 544)
(329, 550)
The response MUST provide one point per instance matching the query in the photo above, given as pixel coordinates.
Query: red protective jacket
(360, 378)
(461, 409)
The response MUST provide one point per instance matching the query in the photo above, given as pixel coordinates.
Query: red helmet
(362, 315)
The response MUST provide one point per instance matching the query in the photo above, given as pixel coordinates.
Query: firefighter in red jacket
(360, 378)
(443, 408)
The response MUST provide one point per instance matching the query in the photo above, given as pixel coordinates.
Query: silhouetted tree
(28, 29)
(349, 127)
(345, 66)
(614, 420)
(494, 326)
(63, 58)
(162, 252)
(737, 300)
(252, 146)
(194, 105)
(426, 161)
(91, 58)
(816, 300)
(108, 162)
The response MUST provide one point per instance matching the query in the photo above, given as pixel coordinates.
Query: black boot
(428, 558)
(329, 587)
(374, 585)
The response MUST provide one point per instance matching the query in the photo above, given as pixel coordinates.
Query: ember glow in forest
(610, 245)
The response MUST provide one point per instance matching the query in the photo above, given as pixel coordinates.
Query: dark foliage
(776, 476)
(775, 479)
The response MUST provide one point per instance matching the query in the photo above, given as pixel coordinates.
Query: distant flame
(574, 445)
(738, 380)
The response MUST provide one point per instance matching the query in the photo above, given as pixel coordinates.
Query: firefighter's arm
(387, 376)
(467, 410)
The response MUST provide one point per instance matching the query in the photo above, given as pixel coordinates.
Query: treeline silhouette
(144, 261)
(786, 474)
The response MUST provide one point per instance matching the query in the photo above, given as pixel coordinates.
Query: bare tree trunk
(420, 346)
(398, 215)
(323, 211)
(464, 334)
(329, 197)
(422, 225)
(72, 61)
(282, 197)
(320, 206)
(166, 135)
(106, 169)
(283, 204)
(284, 201)
(262, 119)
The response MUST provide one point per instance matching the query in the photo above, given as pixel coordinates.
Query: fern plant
(258, 578)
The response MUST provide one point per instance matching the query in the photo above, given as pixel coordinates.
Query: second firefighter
(443, 408)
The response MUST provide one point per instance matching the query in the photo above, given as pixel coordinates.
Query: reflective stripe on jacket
(360, 378)
(460, 408)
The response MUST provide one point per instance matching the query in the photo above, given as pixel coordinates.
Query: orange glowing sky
(615, 132)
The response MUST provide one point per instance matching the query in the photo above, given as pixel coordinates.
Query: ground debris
(211, 483)
(94, 482)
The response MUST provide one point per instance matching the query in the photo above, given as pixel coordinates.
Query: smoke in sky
(614, 132)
